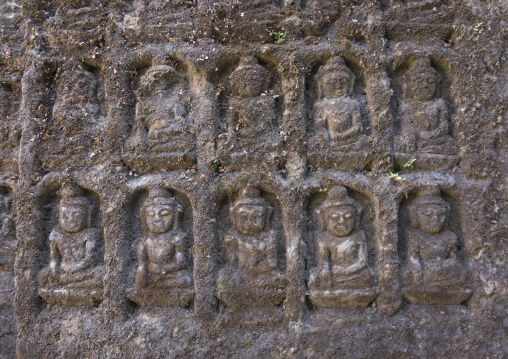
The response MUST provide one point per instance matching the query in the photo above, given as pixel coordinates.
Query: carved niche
(163, 137)
(7, 247)
(424, 119)
(10, 128)
(252, 277)
(433, 271)
(341, 276)
(338, 132)
(74, 131)
(163, 274)
(74, 275)
(253, 116)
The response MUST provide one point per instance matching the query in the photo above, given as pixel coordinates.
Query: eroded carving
(419, 19)
(75, 131)
(75, 271)
(253, 117)
(425, 120)
(337, 118)
(251, 277)
(149, 20)
(163, 273)
(76, 22)
(342, 276)
(164, 135)
(433, 273)
(231, 21)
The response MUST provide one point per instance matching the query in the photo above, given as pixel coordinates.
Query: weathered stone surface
(272, 179)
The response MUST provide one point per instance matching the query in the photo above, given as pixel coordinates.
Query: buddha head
(339, 214)
(76, 84)
(75, 209)
(335, 79)
(421, 81)
(158, 78)
(250, 213)
(161, 211)
(250, 79)
(429, 211)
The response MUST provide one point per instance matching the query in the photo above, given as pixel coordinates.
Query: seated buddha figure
(338, 120)
(77, 117)
(252, 112)
(251, 276)
(74, 275)
(163, 129)
(425, 119)
(433, 273)
(342, 276)
(163, 274)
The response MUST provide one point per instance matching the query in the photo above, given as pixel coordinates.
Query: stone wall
(269, 179)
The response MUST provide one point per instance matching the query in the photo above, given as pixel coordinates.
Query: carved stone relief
(420, 18)
(433, 272)
(264, 178)
(75, 23)
(338, 135)
(159, 20)
(253, 273)
(341, 276)
(253, 118)
(74, 130)
(74, 274)
(163, 275)
(164, 135)
(425, 121)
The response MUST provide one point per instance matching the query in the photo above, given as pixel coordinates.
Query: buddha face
(432, 217)
(422, 87)
(73, 217)
(340, 221)
(250, 219)
(159, 217)
(336, 84)
(250, 82)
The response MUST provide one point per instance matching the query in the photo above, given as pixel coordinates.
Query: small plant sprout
(307, 293)
(280, 37)
(395, 177)
(409, 163)
(478, 28)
